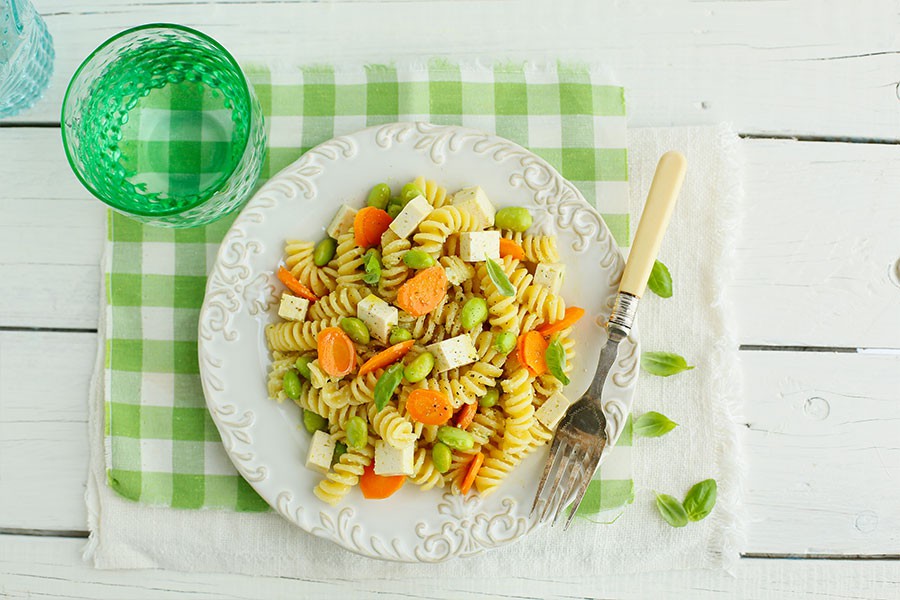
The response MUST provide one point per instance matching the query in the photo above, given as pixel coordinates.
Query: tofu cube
(393, 461)
(378, 315)
(477, 246)
(455, 352)
(292, 308)
(550, 275)
(342, 221)
(409, 218)
(474, 200)
(552, 410)
(321, 450)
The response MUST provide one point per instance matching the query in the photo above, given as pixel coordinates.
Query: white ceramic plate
(262, 437)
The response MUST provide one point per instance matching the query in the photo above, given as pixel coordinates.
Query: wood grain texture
(52, 567)
(820, 276)
(781, 67)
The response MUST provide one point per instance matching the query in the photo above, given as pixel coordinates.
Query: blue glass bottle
(26, 56)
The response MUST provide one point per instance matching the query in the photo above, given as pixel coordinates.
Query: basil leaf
(340, 449)
(671, 510)
(663, 364)
(660, 282)
(387, 385)
(372, 265)
(701, 499)
(499, 278)
(652, 424)
(556, 361)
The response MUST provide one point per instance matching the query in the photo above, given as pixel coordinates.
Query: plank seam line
(816, 556)
(33, 124)
(60, 533)
(779, 348)
(820, 138)
(17, 328)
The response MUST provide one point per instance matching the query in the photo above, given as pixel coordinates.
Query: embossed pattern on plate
(262, 437)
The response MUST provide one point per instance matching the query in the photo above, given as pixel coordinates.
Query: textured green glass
(161, 124)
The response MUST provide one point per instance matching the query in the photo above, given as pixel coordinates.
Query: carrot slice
(295, 286)
(378, 487)
(337, 354)
(429, 407)
(368, 225)
(471, 473)
(466, 414)
(386, 357)
(573, 313)
(530, 352)
(510, 248)
(421, 294)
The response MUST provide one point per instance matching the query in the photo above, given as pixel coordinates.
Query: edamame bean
(410, 191)
(441, 456)
(314, 422)
(394, 206)
(379, 196)
(505, 342)
(356, 329)
(302, 366)
(515, 218)
(419, 368)
(290, 383)
(490, 399)
(324, 251)
(399, 334)
(474, 312)
(456, 438)
(340, 448)
(418, 259)
(357, 432)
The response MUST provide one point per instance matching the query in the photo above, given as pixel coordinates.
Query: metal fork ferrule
(622, 317)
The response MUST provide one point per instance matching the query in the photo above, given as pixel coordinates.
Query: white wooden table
(813, 88)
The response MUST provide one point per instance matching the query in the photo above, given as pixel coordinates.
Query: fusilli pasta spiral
(436, 195)
(424, 473)
(438, 226)
(391, 426)
(345, 474)
(299, 261)
(349, 260)
(289, 336)
(339, 303)
(517, 402)
(538, 248)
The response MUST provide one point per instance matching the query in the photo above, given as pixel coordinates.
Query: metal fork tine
(559, 491)
(564, 463)
(571, 482)
(588, 473)
(547, 468)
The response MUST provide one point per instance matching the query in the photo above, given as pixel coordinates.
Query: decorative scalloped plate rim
(262, 437)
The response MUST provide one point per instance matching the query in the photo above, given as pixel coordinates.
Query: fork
(581, 437)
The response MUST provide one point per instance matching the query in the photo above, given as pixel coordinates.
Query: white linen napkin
(704, 401)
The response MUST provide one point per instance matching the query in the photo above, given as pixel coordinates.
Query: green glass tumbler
(160, 123)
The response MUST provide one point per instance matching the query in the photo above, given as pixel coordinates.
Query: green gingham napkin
(162, 447)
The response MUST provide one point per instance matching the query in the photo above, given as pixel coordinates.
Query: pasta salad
(424, 339)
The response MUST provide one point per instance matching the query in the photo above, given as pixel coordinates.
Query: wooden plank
(824, 456)
(52, 567)
(818, 261)
(835, 257)
(44, 380)
(51, 235)
(786, 67)
(822, 450)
